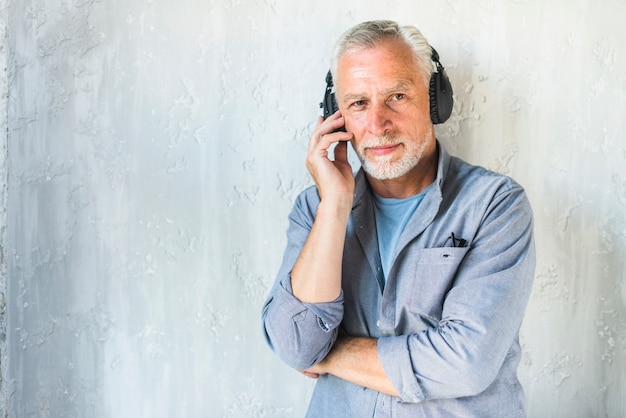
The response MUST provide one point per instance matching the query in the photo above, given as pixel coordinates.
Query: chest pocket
(433, 276)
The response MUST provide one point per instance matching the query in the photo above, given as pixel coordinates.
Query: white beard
(383, 168)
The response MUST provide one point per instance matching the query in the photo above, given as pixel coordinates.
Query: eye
(359, 103)
(398, 96)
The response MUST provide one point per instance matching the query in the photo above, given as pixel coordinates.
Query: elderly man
(403, 287)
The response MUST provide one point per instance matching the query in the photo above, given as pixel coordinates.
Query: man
(402, 289)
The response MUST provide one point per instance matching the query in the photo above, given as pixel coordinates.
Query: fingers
(341, 151)
(309, 374)
(324, 134)
(335, 121)
(331, 174)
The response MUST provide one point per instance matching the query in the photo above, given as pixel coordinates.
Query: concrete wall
(150, 151)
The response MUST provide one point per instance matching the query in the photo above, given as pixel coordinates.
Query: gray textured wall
(150, 151)
(4, 89)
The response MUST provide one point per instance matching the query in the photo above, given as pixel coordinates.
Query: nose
(379, 119)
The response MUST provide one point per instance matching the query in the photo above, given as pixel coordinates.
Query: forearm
(316, 275)
(355, 359)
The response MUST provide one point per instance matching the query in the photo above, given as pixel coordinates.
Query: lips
(382, 150)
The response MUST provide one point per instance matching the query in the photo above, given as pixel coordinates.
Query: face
(385, 104)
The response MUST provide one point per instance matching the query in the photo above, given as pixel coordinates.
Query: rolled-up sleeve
(463, 353)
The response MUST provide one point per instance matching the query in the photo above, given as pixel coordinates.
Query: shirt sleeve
(482, 312)
(301, 334)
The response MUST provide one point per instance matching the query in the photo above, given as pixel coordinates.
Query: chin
(389, 170)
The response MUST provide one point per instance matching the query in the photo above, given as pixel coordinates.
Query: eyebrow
(402, 85)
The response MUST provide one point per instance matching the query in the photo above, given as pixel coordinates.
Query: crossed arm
(355, 360)
(479, 322)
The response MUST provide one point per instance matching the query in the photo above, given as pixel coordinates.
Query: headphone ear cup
(434, 111)
(440, 93)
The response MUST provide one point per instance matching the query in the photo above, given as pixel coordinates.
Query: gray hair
(369, 34)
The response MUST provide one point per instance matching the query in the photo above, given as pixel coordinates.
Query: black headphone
(439, 91)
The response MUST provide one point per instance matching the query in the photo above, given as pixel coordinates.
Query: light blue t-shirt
(392, 215)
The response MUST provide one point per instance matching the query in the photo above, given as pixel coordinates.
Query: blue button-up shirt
(447, 319)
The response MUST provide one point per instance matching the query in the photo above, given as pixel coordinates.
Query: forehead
(388, 62)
